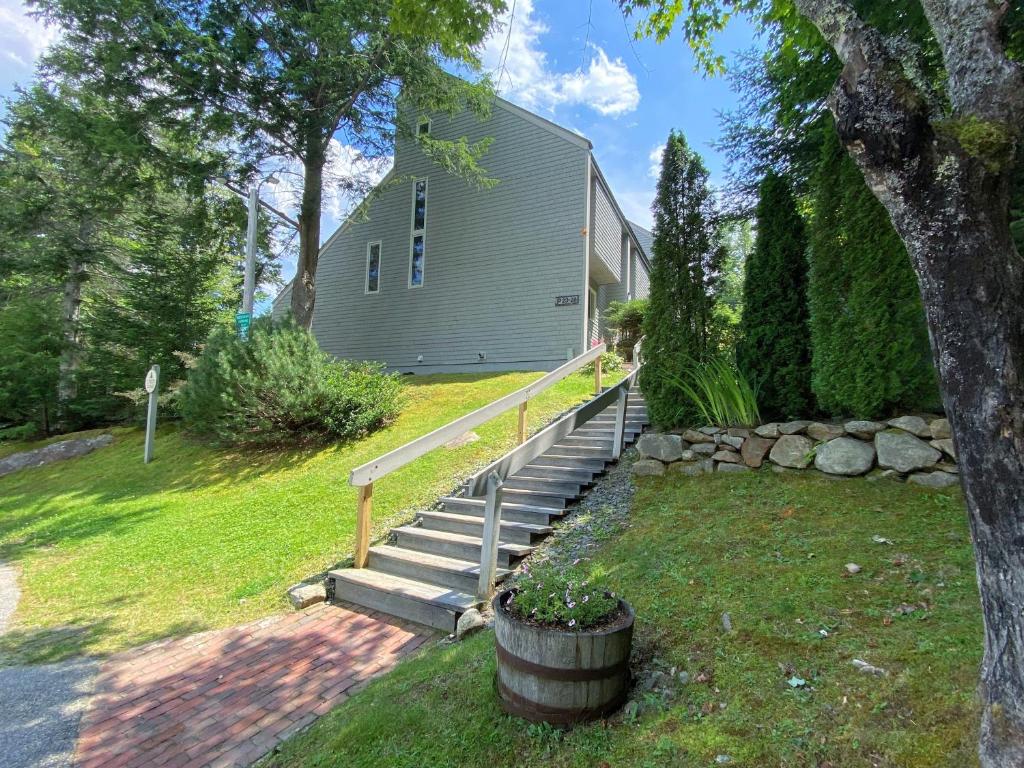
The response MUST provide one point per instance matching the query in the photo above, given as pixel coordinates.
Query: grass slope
(770, 550)
(115, 553)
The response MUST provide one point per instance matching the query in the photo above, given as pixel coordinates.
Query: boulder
(754, 450)
(771, 431)
(792, 451)
(688, 455)
(844, 456)
(933, 479)
(730, 457)
(903, 452)
(948, 466)
(733, 468)
(821, 432)
(647, 468)
(739, 432)
(692, 468)
(60, 451)
(661, 447)
(865, 430)
(733, 441)
(946, 446)
(793, 427)
(693, 436)
(710, 430)
(305, 595)
(704, 449)
(940, 429)
(915, 425)
(469, 622)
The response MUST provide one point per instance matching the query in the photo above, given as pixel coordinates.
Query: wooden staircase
(430, 570)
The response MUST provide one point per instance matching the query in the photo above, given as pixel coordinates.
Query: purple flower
(570, 605)
(586, 598)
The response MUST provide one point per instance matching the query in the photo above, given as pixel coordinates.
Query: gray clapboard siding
(605, 237)
(495, 258)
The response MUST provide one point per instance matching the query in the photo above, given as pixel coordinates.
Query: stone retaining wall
(913, 447)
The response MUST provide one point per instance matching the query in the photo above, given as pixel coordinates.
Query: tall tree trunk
(71, 306)
(304, 286)
(948, 196)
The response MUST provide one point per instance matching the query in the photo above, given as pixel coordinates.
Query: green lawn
(770, 550)
(115, 553)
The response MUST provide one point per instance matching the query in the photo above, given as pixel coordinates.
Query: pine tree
(871, 353)
(774, 353)
(684, 279)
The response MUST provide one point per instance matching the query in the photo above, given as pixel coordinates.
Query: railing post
(489, 543)
(597, 375)
(523, 407)
(363, 511)
(620, 420)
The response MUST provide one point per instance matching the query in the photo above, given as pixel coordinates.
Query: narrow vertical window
(418, 242)
(373, 267)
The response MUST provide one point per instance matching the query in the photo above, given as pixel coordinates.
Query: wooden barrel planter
(561, 677)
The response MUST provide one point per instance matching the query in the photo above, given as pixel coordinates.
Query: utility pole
(249, 284)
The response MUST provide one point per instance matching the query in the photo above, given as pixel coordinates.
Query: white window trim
(420, 123)
(413, 232)
(366, 272)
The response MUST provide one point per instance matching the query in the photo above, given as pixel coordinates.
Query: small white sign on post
(151, 384)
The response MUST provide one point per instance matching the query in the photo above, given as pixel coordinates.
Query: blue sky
(572, 61)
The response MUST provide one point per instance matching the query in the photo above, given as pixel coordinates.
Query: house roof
(644, 238)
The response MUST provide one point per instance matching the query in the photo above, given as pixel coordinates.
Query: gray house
(439, 276)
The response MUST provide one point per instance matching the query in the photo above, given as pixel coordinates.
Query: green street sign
(242, 321)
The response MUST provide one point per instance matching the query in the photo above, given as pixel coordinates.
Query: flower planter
(561, 677)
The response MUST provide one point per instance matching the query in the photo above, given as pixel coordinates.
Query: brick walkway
(225, 698)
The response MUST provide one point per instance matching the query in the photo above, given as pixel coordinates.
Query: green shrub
(280, 387)
(567, 598)
(717, 391)
(610, 363)
(626, 318)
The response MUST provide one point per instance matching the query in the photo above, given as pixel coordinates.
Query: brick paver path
(225, 698)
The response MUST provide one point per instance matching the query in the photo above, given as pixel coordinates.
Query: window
(372, 268)
(423, 127)
(418, 242)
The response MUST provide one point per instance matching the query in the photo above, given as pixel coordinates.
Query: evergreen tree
(871, 354)
(684, 279)
(774, 353)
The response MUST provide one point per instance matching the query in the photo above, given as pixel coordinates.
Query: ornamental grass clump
(561, 598)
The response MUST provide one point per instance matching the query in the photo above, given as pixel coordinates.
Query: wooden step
(518, 513)
(511, 532)
(455, 545)
(553, 500)
(568, 474)
(574, 462)
(579, 452)
(588, 440)
(429, 604)
(461, 575)
(521, 482)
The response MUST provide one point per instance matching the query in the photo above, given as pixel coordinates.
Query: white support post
(489, 543)
(620, 422)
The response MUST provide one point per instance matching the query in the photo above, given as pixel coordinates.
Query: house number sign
(566, 301)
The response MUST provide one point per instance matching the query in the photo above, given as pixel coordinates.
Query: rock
(469, 622)
(65, 449)
(946, 446)
(464, 439)
(865, 430)
(940, 429)
(770, 431)
(693, 436)
(948, 466)
(934, 479)
(869, 669)
(704, 449)
(688, 455)
(710, 430)
(724, 467)
(882, 474)
(726, 622)
(754, 450)
(647, 468)
(739, 432)
(915, 425)
(732, 440)
(844, 456)
(852, 568)
(903, 452)
(728, 457)
(792, 451)
(821, 432)
(692, 468)
(661, 447)
(305, 595)
(793, 427)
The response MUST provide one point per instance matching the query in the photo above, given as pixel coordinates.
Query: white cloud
(22, 38)
(654, 170)
(520, 67)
